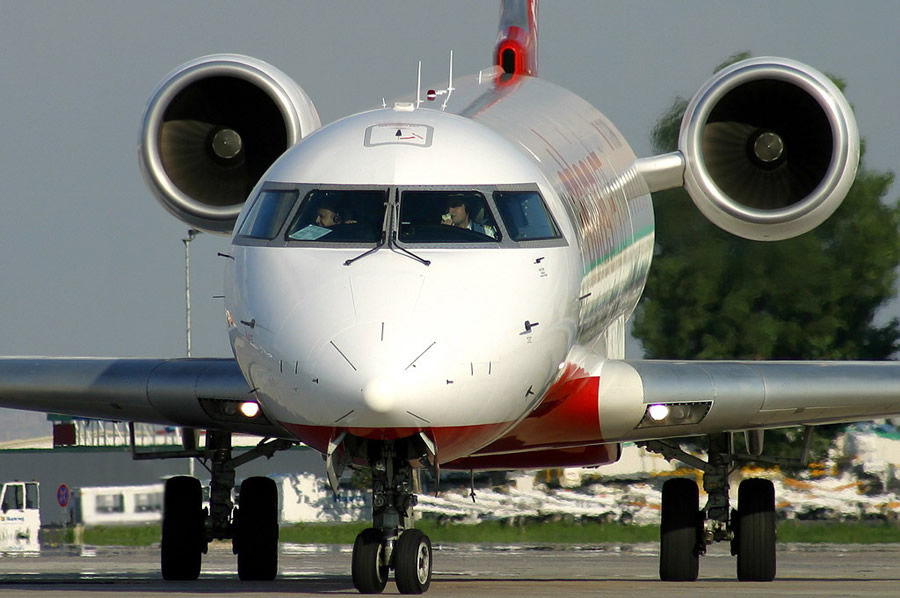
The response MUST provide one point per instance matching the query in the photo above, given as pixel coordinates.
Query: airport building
(90, 453)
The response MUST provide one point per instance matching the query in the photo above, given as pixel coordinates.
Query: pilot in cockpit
(328, 215)
(458, 215)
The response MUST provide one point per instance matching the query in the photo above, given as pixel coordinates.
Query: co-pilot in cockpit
(442, 216)
(458, 215)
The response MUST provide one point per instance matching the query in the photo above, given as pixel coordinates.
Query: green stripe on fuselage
(621, 247)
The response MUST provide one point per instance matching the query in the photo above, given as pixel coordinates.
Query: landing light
(658, 412)
(232, 410)
(250, 409)
(674, 414)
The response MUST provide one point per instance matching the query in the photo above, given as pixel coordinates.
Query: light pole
(192, 234)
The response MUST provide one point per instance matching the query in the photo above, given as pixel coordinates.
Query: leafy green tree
(712, 295)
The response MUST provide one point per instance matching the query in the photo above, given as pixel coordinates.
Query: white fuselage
(465, 346)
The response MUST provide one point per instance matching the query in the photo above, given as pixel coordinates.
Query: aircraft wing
(190, 392)
(705, 397)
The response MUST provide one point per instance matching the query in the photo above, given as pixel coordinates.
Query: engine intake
(771, 148)
(212, 128)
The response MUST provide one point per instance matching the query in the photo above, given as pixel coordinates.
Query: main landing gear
(686, 530)
(392, 543)
(187, 528)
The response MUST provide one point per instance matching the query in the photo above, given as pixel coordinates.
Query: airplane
(443, 282)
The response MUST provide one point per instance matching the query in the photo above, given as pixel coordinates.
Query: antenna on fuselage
(432, 94)
(450, 87)
(419, 86)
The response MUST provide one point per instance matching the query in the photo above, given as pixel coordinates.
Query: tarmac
(460, 570)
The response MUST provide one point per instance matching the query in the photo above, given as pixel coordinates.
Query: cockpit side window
(340, 216)
(525, 215)
(267, 214)
(445, 216)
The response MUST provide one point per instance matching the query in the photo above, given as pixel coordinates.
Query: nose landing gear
(370, 565)
(412, 562)
(392, 543)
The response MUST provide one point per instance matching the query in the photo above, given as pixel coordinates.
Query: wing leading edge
(191, 392)
(707, 397)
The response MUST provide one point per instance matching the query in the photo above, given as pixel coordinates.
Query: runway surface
(460, 570)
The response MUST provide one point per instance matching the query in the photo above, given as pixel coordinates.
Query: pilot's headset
(332, 206)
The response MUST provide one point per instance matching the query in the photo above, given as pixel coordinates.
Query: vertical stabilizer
(517, 42)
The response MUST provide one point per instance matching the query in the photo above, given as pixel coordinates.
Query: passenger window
(340, 216)
(267, 214)
(446, 217)
(525, 215)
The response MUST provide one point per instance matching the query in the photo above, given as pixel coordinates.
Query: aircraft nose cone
(379, 393)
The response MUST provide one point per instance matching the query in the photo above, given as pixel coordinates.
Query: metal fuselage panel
(389, 346)
(590, 167)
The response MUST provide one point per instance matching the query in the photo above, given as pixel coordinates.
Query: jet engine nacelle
(771, 148)
(212, 128)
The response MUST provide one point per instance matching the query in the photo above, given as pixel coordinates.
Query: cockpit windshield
(525, 215)
(482, 216)
(340, 216)
(444, 216)
(268, 213)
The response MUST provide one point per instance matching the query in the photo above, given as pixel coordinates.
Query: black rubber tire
(412, 562)
(183, 536)
(257, 530)
(755, 531)
(369, 574)
(679, 545)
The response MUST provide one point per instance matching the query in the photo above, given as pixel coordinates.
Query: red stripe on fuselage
(567, 417)
(453, 442)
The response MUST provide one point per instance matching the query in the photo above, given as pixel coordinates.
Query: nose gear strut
(392, 543)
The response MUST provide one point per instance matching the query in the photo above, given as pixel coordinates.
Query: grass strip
(487, 532)
(122, 535)
(834, 532)
(496, 532)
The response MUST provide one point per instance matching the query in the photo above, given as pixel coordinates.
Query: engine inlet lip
(701, 107)
(271, 81)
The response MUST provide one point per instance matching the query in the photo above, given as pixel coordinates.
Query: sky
(92, 265)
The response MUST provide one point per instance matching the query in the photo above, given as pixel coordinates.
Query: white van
(20, 517)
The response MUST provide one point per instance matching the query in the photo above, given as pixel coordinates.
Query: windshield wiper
(371, 251)
(380, 243)
(391, 243)
(397, 249)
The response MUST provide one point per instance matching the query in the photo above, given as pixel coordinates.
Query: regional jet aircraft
(514, 205)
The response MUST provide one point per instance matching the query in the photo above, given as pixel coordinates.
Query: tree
(712, 295)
